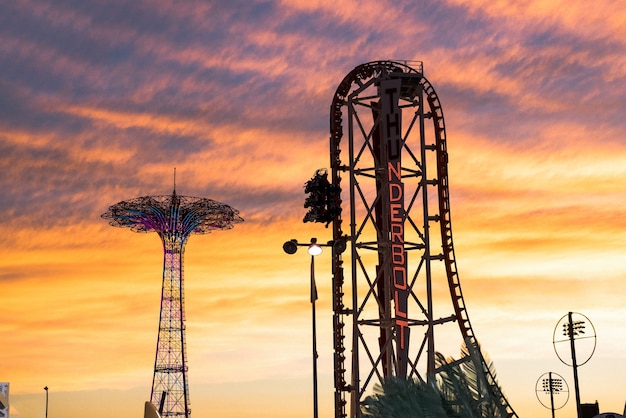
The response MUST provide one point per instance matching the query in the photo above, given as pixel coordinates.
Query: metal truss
(397, 289)
(174, 218)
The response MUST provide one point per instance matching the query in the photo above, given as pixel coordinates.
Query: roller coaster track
(417, 93)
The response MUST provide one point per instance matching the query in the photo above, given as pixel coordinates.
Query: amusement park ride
(397, 300)
(174, 218)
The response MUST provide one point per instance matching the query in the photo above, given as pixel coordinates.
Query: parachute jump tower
(397, 298)
(174, 218)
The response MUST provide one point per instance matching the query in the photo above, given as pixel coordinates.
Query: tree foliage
(466, 388)
(401, 398)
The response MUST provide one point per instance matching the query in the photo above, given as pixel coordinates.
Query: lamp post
(314, 248)
(553, 385)
(573, 330)
(570, 330)
(46, 389)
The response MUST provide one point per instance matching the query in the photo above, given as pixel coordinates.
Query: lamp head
(314, 248)
(340, 245)
(290, 247)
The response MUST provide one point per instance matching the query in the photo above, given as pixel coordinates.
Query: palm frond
(466, 388)
(468, 385)
(457, 397)
(401, 398)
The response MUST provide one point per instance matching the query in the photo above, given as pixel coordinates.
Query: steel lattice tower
(174, 218)
(397, 298)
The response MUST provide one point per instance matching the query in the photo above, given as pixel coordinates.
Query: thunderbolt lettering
(391, 130)
(398, 254)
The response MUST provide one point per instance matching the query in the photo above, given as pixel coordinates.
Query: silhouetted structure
(388, 146)
(174, 218)
(589, 410)
(4, 399)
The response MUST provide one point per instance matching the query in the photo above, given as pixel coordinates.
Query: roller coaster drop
(389, 285)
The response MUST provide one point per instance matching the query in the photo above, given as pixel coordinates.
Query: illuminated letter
(394, 170)
(396, 212)
(402, 325)
(399, 273)
(395, 192)
(397, 233)
(397, 254)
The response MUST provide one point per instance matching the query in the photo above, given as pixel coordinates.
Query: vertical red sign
(391, 136)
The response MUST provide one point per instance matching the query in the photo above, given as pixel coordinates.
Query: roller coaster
(397, 299)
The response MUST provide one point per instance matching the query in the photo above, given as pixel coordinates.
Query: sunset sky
(101, 100)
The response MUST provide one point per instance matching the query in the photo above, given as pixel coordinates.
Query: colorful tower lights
(174, 218)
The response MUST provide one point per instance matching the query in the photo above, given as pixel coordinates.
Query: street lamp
(46, 389)
(314, 248)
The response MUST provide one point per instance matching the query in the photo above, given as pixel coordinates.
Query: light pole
(572, 330)
(46, 389)
(552, 385)
(314, 248)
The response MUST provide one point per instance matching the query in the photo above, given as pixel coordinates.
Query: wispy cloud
(100, 101)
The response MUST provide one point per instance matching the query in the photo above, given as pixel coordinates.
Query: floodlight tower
(174, 218)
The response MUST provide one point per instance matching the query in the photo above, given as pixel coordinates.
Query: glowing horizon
(99, 102)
